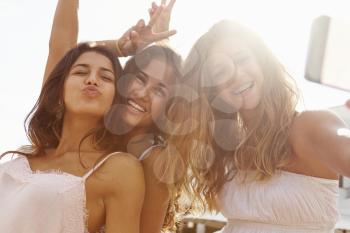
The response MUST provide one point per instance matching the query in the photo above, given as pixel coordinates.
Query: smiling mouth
(244, 88)
(136, 106)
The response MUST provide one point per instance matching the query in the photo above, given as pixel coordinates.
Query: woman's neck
(74, 129)
(137, 141)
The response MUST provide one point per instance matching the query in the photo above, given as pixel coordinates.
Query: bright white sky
(25, 27)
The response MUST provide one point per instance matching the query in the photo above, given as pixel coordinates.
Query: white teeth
(244, 88)
(136, 106)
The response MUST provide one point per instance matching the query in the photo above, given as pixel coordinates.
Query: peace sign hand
(141, 35)
(164, 19)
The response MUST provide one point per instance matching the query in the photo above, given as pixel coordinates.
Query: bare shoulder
(152, 155)
(121, 161)
(164, 165)
(122, 171)
(159, 158)
(150, 162)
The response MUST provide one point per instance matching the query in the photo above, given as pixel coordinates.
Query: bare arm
(64, 33)
(156, 198)
(125, 195)
(322, 136)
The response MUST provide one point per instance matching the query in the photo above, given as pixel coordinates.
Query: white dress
(286, 203)
(42, 202)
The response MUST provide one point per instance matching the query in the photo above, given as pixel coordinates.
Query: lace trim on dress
(74, 220)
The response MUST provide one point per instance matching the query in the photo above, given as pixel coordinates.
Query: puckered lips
(91, 91)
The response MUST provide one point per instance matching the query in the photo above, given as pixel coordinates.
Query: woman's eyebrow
(83, 65)
(144, 74)
(161, 84)
(87, 66)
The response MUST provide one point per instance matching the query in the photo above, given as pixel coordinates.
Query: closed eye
(107, 78)
(80, 72)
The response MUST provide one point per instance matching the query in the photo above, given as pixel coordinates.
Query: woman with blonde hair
(269, 168)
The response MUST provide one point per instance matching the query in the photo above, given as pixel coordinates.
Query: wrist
(163, 42)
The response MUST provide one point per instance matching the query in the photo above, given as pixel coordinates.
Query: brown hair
(170, 165)
(263, 146)
(44, 122)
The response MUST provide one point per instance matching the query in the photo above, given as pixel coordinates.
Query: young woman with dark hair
(70, 178)
(145, 119)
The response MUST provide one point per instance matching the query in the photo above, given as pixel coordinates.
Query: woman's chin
(132, 121)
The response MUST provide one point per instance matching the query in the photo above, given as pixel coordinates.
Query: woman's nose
(143, 92)
(92, 79)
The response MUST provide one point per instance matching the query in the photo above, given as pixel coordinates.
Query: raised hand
(141, 35)
(163, 22)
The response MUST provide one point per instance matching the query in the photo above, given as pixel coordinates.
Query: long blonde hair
(263, 146)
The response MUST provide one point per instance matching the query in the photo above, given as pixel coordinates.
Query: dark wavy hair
(169, 165)
(44, 123)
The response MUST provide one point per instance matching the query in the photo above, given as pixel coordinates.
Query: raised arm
(140, 35)
(321, 136)
(64, 33)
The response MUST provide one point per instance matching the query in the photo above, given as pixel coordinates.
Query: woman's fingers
(171, 4)
(155, 16)
(134, 37)
(154, 6)
(140, 24)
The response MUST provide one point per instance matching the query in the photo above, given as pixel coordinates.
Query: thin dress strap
(98, 165)
(146, 152)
